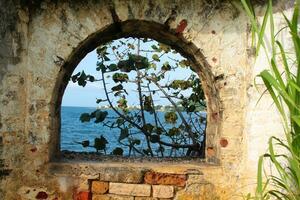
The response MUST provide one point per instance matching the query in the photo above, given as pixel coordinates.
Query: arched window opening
(134, 97)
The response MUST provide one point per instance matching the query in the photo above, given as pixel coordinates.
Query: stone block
(122, 175)
(163, 191)
(99, 187)
(156, 178)
(143, 190)
(145, 198)
(111, 197)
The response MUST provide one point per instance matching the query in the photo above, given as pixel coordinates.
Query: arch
(146, 29)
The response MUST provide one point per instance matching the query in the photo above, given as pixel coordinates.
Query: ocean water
(74, 131)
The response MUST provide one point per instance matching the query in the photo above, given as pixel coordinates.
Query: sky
(86, 96)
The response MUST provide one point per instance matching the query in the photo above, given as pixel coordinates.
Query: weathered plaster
(42, 43)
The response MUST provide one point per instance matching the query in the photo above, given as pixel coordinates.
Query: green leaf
(140, 62)
(184, 63)
(158, 130)
(99, 101)
(174, 131)
(101, 66)
(191, 108)
(148, 104)
(296, 119)
(146, 151)
(164, 47)
(136, 142)
(117, 87)
(296, 146)
(166, 67)
(106, 58)
(154, 47)
(122, 103)
(171, 117)
(85, 143)
(148, 128)
(101, 50)
(153, 65)
(82, 79)
(100, 143)
(120, 121)
(154, 138)
(85, 117)
(131, 46)
(113, 67)
(259, 188)
(182, 84)
(126, 65)
(100, 116)
(155, 57)
(91, 78)
(123, 134)
(74, 77)
(120, 77)
(118, 151)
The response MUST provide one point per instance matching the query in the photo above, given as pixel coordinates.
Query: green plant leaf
(82, 79)
(171, 117)
(74, 77)
(120, 77)
(166, 67)
(113, 67)
(154, 138)
(154, 47)
(118, 151)
(174, 131)
(148, 128)
(124, 133)
(100, 143)
(136, 142)
(101, 66)
(164, 47)
(155, 57)
(85, 117)
(85, 143)
(117, 87)
(100, 116)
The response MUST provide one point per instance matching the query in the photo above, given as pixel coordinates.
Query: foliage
(284, 89)
(146, 65)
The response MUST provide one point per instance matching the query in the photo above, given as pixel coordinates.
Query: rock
(163, 191)
(155, 178)
(99, 187)
(143, 190)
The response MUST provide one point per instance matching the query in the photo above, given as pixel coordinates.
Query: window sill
(82, 164)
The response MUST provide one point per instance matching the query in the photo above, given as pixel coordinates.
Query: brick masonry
(143, 190)
(163, 191)
(156, 178)
(148, 191)
(99, 187)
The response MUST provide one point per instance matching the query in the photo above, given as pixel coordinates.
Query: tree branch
(188, 128)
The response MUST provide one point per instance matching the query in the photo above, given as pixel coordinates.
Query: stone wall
(43, 41)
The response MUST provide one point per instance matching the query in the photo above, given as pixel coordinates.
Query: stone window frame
(141, 28)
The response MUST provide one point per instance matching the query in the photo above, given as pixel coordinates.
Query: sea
(73, 131)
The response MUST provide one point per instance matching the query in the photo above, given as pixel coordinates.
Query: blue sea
(74, 131)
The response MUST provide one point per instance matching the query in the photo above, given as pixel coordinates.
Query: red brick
(155, 178)
(83, 195)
